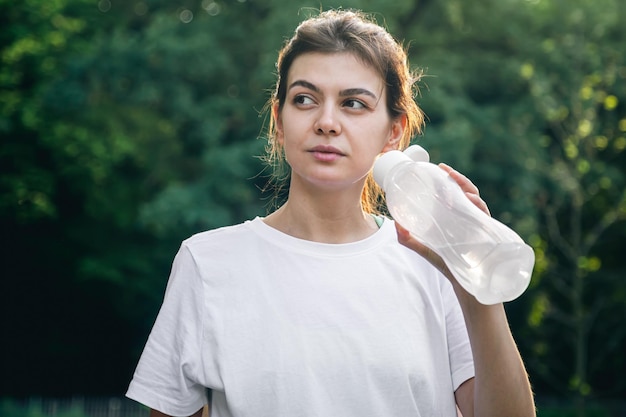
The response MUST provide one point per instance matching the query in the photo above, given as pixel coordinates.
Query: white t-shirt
(282, 327)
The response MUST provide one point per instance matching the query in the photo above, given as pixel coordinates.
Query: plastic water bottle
(488, 259)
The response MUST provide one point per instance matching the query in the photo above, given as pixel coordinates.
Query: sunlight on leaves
(586, 93)
(571, 151)
(605, 183)
(538, 310)
(584, 128)
(589, 264)
(527, 70)
(610, 102)
(601, 142)
(583, 166)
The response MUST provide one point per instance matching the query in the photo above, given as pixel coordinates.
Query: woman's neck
(325, 219)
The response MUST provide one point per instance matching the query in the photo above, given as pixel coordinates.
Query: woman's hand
(468, 187)
(406, 239)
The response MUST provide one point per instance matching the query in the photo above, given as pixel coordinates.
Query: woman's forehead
(327, 68)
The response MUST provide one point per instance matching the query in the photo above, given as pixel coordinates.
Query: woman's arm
(500, 386)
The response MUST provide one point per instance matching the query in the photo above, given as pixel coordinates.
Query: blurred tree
(43, 307)
(576, 80)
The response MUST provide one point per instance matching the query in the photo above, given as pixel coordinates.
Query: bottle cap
(417, 153)
(385, 162)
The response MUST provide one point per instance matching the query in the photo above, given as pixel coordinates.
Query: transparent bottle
(488, 259)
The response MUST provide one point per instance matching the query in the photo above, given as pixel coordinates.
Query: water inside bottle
(493, 273)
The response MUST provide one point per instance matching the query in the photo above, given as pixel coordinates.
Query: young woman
(324, 308)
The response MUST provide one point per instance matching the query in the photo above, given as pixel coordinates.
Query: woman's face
(334, 121)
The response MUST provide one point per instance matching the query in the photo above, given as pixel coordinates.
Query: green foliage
(35, 40)
(9, 408)
(572, 412)
(574, 80)
(77, 407)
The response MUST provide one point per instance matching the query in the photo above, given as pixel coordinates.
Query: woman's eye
(302, 99)
(354, 104)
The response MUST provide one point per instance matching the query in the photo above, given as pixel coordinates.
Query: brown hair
(353, 32)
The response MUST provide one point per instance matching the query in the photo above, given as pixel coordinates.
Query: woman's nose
(328, 121)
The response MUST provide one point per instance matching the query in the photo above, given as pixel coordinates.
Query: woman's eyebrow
(342, 93)
(357, 92)
(304, 84)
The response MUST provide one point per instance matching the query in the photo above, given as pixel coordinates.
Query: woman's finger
(469, 188)
(465, 183)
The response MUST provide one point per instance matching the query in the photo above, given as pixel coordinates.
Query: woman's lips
(326, 153)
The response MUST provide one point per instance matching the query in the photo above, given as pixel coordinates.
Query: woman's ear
(278, 123)
(396, 133)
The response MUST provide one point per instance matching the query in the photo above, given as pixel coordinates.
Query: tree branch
(609, 218)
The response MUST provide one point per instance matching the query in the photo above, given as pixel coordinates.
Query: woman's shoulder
(221, 236)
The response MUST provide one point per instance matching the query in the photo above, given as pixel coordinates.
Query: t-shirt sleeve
(459, 349)
(167, 377)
